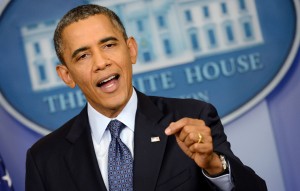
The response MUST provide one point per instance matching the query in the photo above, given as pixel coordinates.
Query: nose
(101, 61)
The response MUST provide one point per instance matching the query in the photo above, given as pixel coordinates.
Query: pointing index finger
(175, 127)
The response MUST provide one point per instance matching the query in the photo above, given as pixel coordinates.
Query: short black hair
(80, 13)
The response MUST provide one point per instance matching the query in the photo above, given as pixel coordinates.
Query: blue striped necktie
(120, 161)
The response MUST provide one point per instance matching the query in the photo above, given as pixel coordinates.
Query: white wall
(252, 140)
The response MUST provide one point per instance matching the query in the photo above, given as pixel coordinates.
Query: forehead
(100, 18)
(87, 28)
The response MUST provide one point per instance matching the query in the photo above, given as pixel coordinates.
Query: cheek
(81, 78)
(128, 73)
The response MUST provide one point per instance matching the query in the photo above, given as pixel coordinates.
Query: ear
(133, 49)
(64, 73)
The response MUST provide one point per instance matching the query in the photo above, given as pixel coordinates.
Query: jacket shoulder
(54, 141)
(181, 105)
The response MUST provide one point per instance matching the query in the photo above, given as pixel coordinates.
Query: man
(173, 144)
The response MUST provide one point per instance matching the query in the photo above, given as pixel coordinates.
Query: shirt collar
(99, 122)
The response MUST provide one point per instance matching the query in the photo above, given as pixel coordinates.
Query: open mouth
(108, 80)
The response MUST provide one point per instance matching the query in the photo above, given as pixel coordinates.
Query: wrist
(218, 166)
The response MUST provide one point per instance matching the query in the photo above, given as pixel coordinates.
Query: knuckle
(208, 130)
(201, 122)
(190, 136)
(185, 120)
(198, 147)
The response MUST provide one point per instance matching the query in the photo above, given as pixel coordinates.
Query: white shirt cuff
(223, 182)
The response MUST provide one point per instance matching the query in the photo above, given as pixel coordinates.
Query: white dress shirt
(101, 139)
(101, 136)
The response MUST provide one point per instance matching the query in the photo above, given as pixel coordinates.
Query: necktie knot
(115, 127)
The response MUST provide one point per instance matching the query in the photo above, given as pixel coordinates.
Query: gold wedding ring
(200, 138)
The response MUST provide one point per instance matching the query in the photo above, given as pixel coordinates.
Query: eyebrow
(86, 48)
(78, 50)
(108, 39)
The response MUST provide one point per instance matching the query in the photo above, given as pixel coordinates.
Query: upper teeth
(106, 80)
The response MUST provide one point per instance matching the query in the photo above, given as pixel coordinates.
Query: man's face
(99, 60)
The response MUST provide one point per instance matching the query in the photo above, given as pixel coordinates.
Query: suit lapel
(81, 159)
(82, 162)
(148, 155)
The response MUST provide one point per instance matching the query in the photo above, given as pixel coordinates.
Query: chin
(116, 104)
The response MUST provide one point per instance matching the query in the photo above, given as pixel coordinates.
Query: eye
(109, 45)
(82, 56)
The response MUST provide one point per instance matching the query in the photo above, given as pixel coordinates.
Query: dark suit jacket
(65, 159)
